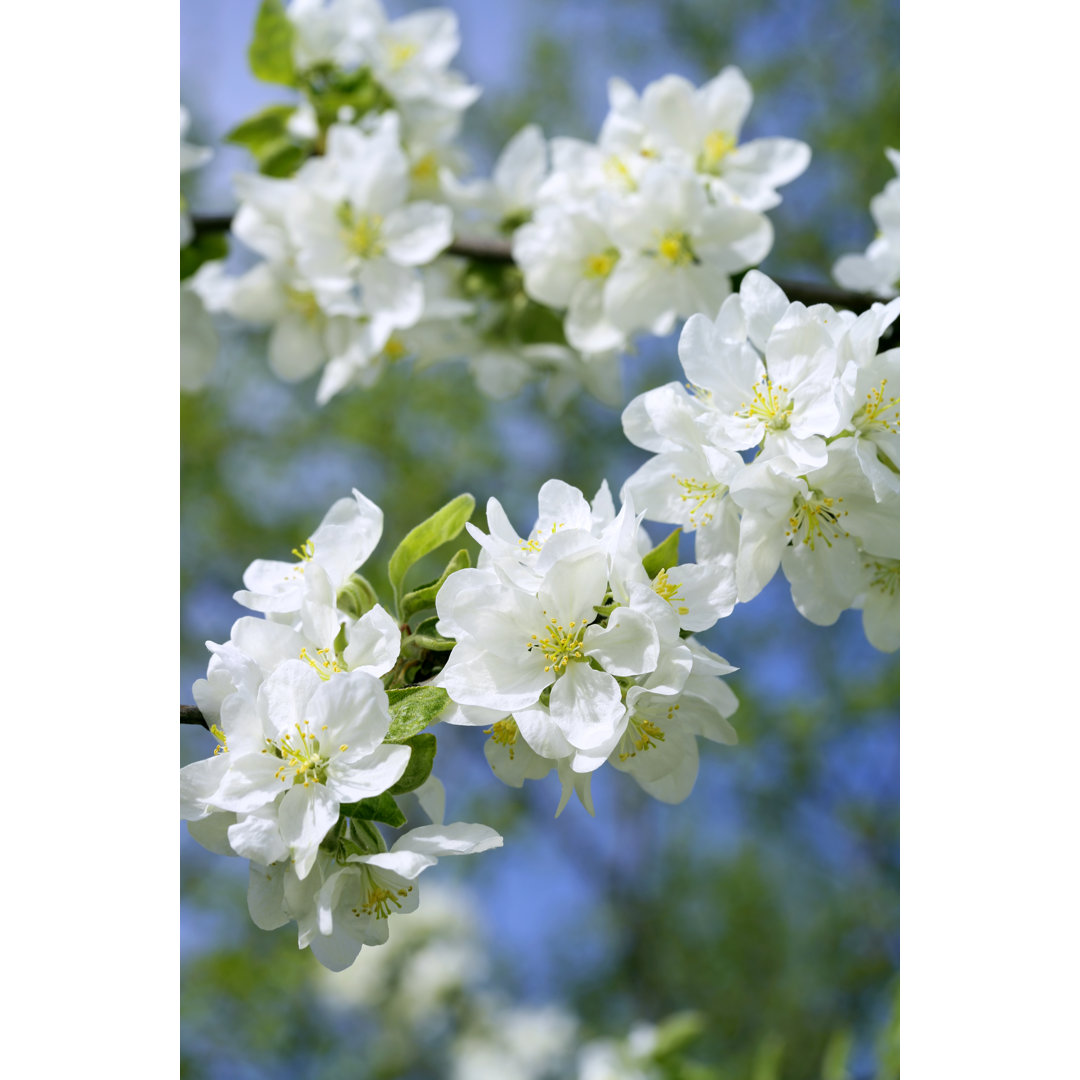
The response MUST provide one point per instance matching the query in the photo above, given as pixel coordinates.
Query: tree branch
(190, 714)
(498, 251)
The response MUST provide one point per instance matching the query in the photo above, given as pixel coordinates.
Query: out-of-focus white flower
(191, 157)
(877, 270)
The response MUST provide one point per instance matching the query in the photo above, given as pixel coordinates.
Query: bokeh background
(767, 902)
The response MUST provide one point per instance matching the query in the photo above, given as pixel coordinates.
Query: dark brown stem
(190, 714)
(498, 251)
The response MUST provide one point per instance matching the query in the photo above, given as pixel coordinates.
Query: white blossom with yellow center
(309, 745)
(355, 902)
(516, 644)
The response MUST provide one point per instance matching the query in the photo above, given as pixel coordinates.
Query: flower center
(675, 248)
(771, 406)
(362, 232)
(394, 349)
(816, 516)
(425, 168)
(401, 54)
(616, 171)
(302, 301)
(643, 734)
(222, 747)
(878, 411)
(667, 590)
(699, 493)
(505, 733)
(301, 756)
(305, 553)
(536, 543)
(718, 144)
(886, 575)
(598, 267)
(561, 645)
(324, 662)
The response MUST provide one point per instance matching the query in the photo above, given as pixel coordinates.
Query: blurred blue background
(768, 900)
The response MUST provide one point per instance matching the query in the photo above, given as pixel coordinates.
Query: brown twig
(190, 714)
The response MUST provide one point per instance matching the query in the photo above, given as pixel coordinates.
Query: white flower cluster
(343, 245)
(572, 654)
(808, 390)
(297, 704)
(646, 225)
(408, 58)
(877, 270)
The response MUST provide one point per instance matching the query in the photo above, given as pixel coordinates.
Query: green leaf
(887, 1044)
(834, 1064)
(675, 1033)
(281, 159)
(264, 127)
(442, 526)
(420, 763)
(427, 637)
(379, 808)
(769, 1058)
(664, 556)
(424, 596)
(356, 597)
(270, 53)
(205, 247)
(412, 708)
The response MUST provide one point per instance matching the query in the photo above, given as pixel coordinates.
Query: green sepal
(271, 51)
(341, 642)
(379, 808)
(282, 158)
(424, 596)
(356, 597)
(204, 248)
(352, 836)
(442, 526)
(420, 763)
(262, 128)
(664, 556)
(412, 708)
(329, 89)
(427, 637)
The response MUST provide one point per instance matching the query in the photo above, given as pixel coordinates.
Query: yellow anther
(598, 267)
(325, 664)
(394, 349)
(402, 53)
(426, 168)
(879, 411)
(505, 733)
(302, 301)
(675, 248)
(771, 406)
(698, 493)
(306, 551)
(815, 517)
(560, 646)
(718, 144)
(362, 232)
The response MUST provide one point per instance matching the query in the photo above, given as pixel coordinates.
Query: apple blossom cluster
(646, 225)
(312, 750)
(572, 648)
(783, 451)
(877, 270)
